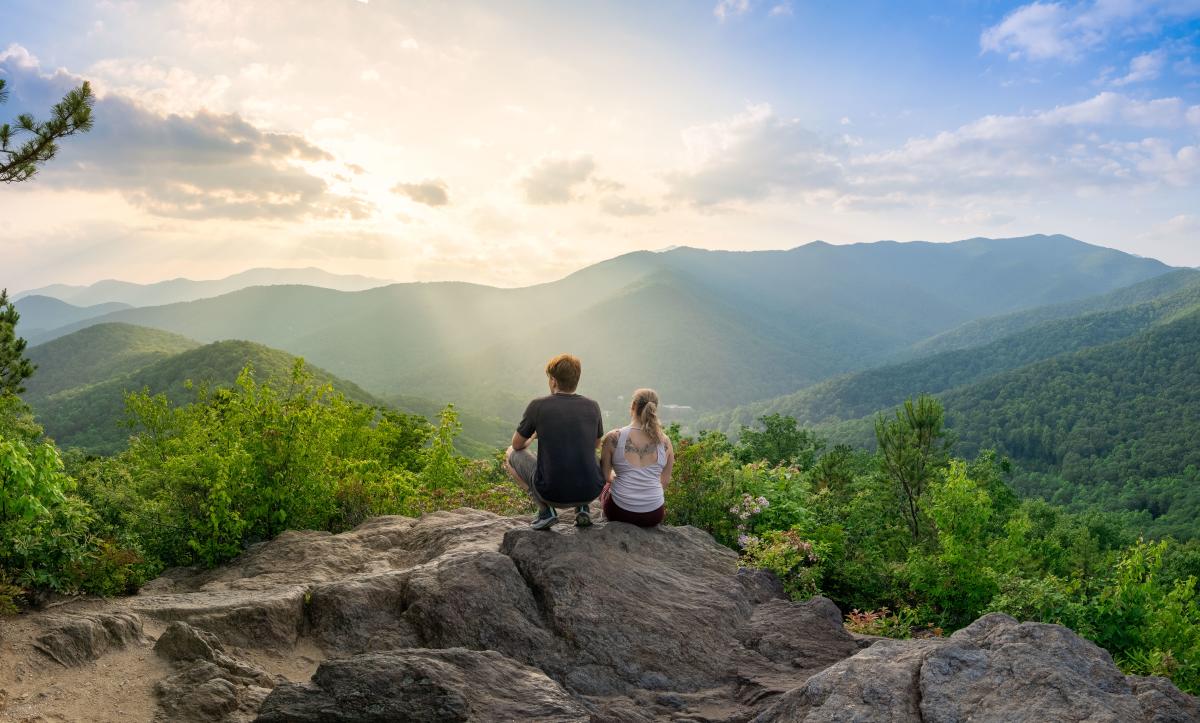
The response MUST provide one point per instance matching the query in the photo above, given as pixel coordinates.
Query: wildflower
(745, 541)
(763, 502)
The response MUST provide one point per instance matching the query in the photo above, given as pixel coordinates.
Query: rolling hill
(90, 416)
(983, 331)
(709, 328)
(852, 396)
(96, 354)
(78, 390)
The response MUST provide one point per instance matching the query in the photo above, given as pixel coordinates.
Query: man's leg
(521, 465)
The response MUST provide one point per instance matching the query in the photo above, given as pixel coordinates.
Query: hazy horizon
(510, 144)
(387, 282)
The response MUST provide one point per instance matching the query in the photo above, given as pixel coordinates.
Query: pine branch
(70, 116)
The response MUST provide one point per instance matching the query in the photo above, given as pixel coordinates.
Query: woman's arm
(606, 455)
(670, 465)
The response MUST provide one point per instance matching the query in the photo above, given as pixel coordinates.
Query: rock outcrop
(73, 640)
(468, 616)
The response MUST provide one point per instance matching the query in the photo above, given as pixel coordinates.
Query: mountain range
(176, 290)
(1075, 362)
(708, 329)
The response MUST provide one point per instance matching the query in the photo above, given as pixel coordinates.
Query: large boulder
(451, 684)
(658, 609)
(993, 670)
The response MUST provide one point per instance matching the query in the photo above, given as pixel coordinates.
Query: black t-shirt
(567, 427)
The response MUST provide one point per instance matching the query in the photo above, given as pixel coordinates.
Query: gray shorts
(524, 462)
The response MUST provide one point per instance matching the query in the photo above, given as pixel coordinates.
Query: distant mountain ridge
(176, 290)
(708, 329)
(40, 314)
(854, 395)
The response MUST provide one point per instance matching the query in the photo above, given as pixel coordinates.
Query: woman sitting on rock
(636, 462)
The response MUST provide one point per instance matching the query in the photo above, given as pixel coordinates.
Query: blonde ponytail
(645, 408)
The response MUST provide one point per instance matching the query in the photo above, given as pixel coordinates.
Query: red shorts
(614, 513)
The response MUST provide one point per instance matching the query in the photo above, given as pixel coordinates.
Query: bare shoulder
(610, 439)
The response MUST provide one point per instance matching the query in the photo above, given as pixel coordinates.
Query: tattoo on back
(641, 451)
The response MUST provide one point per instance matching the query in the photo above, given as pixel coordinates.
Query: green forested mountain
(1116, 426)
(97, 354)
(174, 290)
(1113, 426)
(709, 328)
(1126, 410)
(40, 314)
(983, 331)
(90, 416)
(78, 389)
(855, 395)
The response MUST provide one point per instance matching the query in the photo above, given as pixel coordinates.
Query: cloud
(1056, 30)
(620, 206)
(1147, 66)
(1075, 146)
(553, 180)
(431, 192)
(726, 9)
(1109, 140)
(752, 155)
(200, 165)
(781, 10)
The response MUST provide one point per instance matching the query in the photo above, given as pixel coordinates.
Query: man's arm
(519, 442)
(527, 429)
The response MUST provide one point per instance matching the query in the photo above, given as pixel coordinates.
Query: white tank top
(637, 489)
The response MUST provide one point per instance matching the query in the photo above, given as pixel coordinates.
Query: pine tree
(14, 367)
(72, 115)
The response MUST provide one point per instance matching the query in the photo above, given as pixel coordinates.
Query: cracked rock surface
(465, 615)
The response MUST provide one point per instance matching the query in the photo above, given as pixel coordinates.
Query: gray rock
(453, 684)
(993, 670)
(634, 605)
(622, 623)
(761, 585)
(181, 643)
(209, 684)
(75, 639)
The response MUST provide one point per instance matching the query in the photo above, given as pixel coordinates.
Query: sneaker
(545, 519)
(583, 516)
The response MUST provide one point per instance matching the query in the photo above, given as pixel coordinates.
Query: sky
(510, 143)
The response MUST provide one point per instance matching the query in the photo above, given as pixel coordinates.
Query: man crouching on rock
(565, 472)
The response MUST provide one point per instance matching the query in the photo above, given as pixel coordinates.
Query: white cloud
(195, 165)
(553, 180)
(1041, 31)
(781, 10)
(1107, 141)
(751, 156)
(1147, 66)
(431, 192)
(621, 206)
(726, 9)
